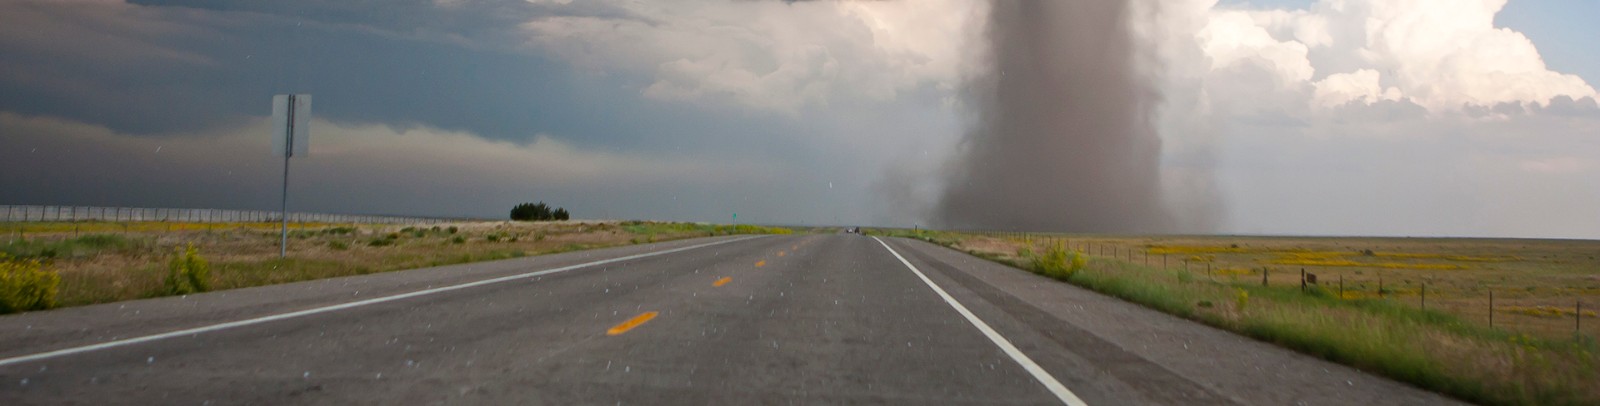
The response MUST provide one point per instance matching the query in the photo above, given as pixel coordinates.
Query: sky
(1326, 117)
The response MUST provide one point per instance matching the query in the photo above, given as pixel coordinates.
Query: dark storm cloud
(1065, 138)
(188, 77)
(152, 70)
(485, 23)
(412, 63)
(374, 169)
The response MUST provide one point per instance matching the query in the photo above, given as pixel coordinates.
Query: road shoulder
(1213, 360)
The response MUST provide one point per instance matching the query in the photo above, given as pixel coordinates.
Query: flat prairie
(1417, 310)
(101, 262)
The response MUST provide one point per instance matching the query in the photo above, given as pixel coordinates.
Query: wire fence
(1332, 282)
(30, 213)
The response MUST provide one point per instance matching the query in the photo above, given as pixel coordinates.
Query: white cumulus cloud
(1359, 86)
(1444, 55)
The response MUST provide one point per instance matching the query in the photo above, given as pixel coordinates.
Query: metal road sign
(286, 120)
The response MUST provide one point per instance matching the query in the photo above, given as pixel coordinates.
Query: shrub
(79, 247)
(493, 238)
(26, 285)
(1058, 262)
(458, 240)
(381, 242)
(338, 230)
(452, 229)
(188, 273)
(338, 245)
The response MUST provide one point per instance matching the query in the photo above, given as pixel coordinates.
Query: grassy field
(99, 262)
(1533, 353)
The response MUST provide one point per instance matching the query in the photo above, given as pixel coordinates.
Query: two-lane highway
(799, 319)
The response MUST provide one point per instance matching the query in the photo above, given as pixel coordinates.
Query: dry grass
(1529, 356)
(1459, 272)
(129, 259)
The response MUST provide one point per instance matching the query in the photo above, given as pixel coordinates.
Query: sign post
(291, 133)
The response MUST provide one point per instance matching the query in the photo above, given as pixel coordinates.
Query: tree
(530, 212)
(537, 212)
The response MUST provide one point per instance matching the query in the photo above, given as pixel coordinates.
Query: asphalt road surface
(804, 319)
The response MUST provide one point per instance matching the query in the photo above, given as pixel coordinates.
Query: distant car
(853, 230)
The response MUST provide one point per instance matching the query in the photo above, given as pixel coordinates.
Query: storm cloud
(559, 85)
(1339, 117)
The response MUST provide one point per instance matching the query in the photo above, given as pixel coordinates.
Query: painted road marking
(723, 281)
(631, 323)
(1038, 372)
(761, 263)
(325, 309)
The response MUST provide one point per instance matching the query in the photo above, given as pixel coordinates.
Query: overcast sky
(1347, 117)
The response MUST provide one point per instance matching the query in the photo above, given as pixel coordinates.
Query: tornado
(1064, 136)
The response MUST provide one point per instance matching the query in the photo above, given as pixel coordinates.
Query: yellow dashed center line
(723, 281)
(761, 263)
(631, 323)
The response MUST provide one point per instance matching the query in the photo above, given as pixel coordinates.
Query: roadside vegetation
(25, 284)
(1446, 347)
(45, 265)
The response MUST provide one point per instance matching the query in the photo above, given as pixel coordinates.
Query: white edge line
(1038, 372)
(341, 306)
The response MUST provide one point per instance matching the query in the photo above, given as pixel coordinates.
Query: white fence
(20, 213)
